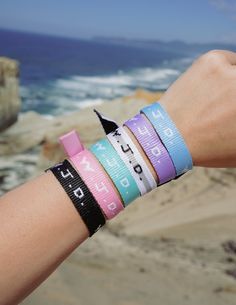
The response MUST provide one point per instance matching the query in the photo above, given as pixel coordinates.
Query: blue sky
(189, 20)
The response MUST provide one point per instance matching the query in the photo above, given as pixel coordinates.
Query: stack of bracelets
(102, 180)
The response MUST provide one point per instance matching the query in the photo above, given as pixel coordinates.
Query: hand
(202, 103)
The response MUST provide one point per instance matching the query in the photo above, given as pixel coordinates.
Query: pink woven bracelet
(93, 174)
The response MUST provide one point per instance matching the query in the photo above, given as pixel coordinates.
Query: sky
(188, 20)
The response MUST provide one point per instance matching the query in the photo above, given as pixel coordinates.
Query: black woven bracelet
(80, 195)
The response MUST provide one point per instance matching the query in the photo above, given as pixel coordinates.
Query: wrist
(183, 124)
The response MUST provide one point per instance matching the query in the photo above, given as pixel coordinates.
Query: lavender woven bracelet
(153, 147)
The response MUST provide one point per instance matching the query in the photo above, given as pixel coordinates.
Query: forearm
(39, 228)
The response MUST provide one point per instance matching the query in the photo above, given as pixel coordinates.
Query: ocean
(60, 75)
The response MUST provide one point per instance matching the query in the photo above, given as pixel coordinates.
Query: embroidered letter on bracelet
(80, 195)
(116, 169)
(170, 137)
(153, 147)
(93, 175)
(133, 159)
(102, 188)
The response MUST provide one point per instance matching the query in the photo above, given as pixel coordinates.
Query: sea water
(60, 75)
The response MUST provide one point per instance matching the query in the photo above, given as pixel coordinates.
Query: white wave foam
(83, 88)
(120, 79)
(66, 95)
(89, 103)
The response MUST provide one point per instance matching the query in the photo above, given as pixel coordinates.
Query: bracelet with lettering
(93, 174)
(170, 136)
(133, 159)
(116, 169)
(80, 195)
(153, 147)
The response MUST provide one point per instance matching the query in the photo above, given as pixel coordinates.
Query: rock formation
(9, 92)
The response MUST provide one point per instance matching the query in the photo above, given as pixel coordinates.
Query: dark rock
(142, 270)
(231, 272)
(229, 247)
(230, 260)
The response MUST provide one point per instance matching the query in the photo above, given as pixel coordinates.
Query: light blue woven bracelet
(170, 136)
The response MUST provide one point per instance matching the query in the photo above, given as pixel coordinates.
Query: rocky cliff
(9, 92)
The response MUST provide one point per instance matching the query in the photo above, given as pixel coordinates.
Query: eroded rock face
(9, 92)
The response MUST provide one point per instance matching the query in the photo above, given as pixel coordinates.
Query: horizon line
(127, 39)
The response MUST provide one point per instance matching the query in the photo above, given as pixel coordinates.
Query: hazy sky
(189, 20)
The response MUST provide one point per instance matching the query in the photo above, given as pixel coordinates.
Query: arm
(39, 229)
(39, 225)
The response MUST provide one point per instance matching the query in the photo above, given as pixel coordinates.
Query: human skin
(39, 225)
(202, 103)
